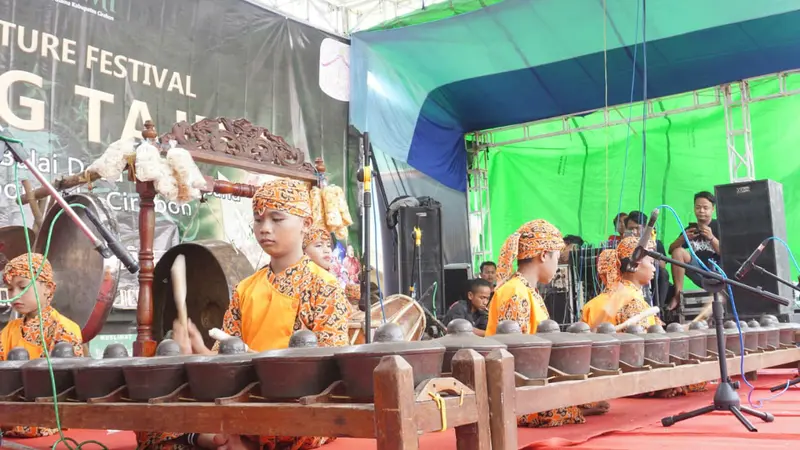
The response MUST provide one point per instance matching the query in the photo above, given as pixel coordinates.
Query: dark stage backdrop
(77, 75)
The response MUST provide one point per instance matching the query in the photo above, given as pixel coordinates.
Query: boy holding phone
(703, 237)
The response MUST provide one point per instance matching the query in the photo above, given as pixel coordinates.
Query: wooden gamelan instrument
(368, 391)
(391, 390)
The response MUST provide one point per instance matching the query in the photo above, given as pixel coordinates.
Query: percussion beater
(178, 273)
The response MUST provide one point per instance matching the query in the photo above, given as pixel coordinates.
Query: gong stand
(222, 142)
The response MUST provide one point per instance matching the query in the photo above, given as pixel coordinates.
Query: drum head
(82, 274)
(213, 269)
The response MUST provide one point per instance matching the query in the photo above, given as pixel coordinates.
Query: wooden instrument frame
(508, 398)
(396, 418)
(221, 141)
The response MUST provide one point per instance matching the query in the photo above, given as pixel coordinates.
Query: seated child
(289, 294)
(25, 332)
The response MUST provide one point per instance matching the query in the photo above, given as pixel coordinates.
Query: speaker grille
(747, 214)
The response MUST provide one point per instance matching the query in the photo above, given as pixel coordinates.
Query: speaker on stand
(421, 267)
(748, 213)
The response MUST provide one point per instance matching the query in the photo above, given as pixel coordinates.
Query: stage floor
(631, 423)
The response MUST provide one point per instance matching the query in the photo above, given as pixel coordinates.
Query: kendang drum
(87, 282)
(213, 269)
(399, 309)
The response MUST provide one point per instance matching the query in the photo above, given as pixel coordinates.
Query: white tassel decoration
(112, 162)
(189, 178)
(149, 166)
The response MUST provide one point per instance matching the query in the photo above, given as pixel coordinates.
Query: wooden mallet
(178, 272)
(637, 318)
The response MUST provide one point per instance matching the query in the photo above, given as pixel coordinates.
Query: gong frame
(221, 141)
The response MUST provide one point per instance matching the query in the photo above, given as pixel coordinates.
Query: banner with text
(78, 75)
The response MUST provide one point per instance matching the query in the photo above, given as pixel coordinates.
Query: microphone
(644, 239)
(115, 245)
(748, 265)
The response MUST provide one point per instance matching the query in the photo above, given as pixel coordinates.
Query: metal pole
(366, 179)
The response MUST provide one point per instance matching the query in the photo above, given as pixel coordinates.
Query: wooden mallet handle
(638, 317)
(178, 272)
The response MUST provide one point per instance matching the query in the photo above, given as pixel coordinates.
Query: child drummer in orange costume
(622, 297)
(535, 247)
(26, 332)
(290, 294)
(317, 246)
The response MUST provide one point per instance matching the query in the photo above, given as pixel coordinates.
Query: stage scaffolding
(735, 99)
(344, 17)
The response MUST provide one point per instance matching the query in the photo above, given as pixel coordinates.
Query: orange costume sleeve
(524, 305)
(26, 333)
(516, 300)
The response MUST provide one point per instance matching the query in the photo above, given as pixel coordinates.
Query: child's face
(279, 233)
(320, 253)
(26, 304)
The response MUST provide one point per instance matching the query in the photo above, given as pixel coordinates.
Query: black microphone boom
(744, 268)
(116, 246)
(644, 239)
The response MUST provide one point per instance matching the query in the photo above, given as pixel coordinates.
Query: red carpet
(631, 423)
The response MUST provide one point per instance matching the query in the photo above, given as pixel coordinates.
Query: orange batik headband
(609, 263)
(529, 241)
(316, 234)
(18, 267)
(289, 196)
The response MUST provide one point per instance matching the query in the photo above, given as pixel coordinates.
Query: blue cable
(630, 110)
(642, 188)
(786, 246)
(741, 346)
(733, 309)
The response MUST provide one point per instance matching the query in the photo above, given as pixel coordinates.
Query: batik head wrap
(316, 234)
(529, 241)
(609, 263)
(18, 267)
(289, 196)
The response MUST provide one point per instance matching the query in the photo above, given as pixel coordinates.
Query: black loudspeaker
(430, 255)
(748, 213)
(456, 278)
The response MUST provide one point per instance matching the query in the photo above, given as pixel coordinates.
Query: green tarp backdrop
(575, 180)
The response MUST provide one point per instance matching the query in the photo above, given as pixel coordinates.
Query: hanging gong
(86, 281)
(213, 269)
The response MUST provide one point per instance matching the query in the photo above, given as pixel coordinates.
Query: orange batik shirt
(617, 306)
(25, 332)
(266, 308)
(516, 300)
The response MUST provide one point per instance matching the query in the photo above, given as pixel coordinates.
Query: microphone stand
(365, 177)
(99, 244)
(725, 398)
(766, 272)
(769, 274)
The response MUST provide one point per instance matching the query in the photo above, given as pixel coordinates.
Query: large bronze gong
(213, 269)
(87, 282)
